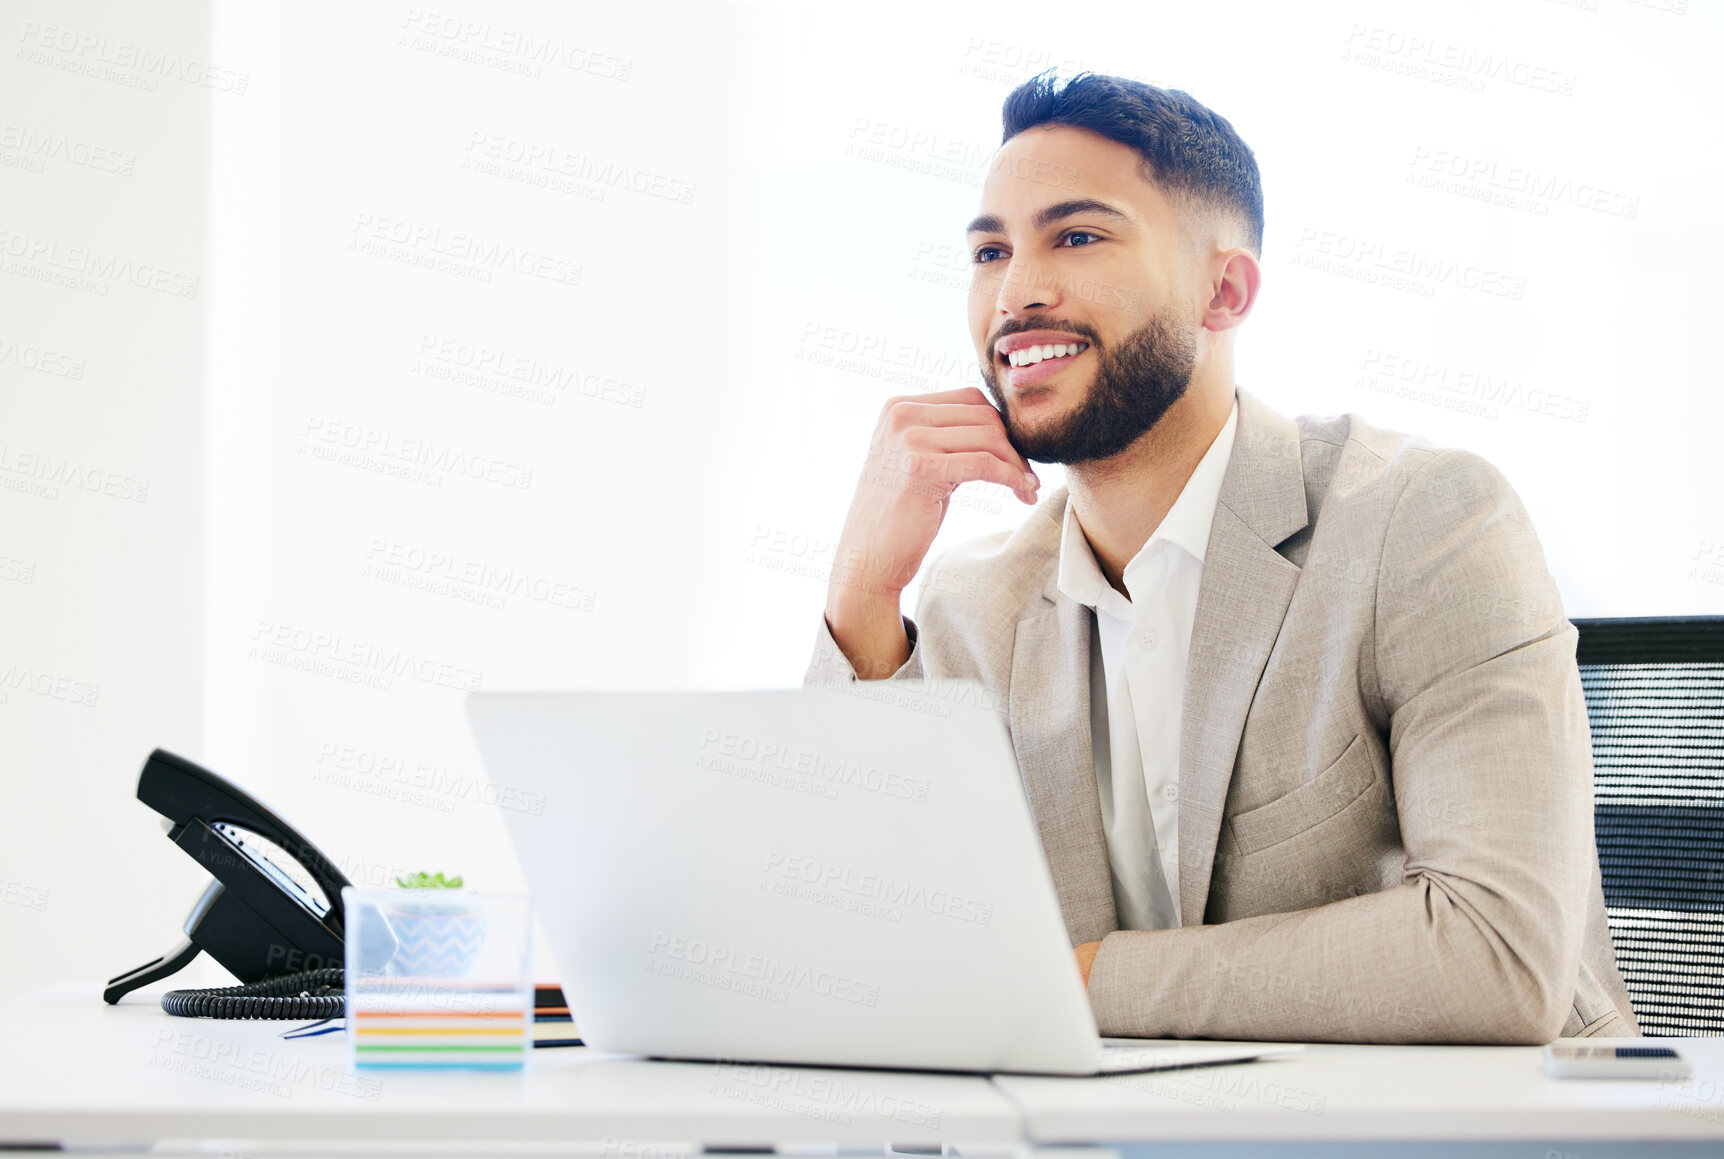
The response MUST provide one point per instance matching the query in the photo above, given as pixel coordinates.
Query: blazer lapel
(1050, 718)
(1241, 603)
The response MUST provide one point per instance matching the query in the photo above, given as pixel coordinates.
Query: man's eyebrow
(988, 223)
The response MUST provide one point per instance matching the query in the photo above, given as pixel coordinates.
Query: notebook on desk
(809, 876)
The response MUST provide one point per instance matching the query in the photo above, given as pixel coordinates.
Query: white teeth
(1030, 355)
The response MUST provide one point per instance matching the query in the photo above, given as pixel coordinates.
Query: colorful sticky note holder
(438, 978)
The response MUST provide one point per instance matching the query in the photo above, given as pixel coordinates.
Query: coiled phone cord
(307, 994)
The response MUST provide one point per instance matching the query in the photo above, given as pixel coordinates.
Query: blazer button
(1147, 638)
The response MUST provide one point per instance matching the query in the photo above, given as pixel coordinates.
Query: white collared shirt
(1145, 642)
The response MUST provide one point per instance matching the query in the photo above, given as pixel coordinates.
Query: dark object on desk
(1655, 702)
(1573, 1060)
(254, 918)
(550, 1007)
(308, 994)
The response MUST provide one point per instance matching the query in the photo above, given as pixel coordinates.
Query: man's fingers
(973, 456)
(906, 415)
(971, 394)
(968, 438)
(983, 466)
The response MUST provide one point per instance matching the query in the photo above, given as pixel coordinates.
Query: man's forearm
(829, 667)
(869, 630)
(1418, 962)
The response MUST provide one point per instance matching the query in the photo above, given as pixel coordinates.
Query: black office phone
(254, 918)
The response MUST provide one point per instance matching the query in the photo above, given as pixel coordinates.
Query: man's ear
(1232, 288)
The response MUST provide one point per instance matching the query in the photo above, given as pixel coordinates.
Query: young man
(1294, 700)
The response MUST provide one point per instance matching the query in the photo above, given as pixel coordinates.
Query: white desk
(75, 1071)
(1382, 1093)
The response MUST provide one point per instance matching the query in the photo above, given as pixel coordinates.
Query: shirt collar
(1186, 525)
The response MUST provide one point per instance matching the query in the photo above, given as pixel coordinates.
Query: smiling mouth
(1048, 352)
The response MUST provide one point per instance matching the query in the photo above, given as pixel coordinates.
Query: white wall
(669, 509)
(103, 158)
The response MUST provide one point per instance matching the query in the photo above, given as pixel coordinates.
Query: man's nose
(1025, 287)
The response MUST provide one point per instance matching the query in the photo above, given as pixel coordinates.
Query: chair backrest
(1655, 700)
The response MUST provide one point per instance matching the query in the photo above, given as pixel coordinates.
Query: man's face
(1073, 241)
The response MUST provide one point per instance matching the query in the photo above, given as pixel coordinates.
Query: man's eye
(980, 256)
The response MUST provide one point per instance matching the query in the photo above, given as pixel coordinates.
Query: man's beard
(1134, 386)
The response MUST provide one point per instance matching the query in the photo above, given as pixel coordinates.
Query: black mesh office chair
(1655, 700)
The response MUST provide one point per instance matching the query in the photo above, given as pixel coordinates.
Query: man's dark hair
(1188, 150)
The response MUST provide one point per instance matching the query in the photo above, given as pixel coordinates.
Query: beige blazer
(1385, 781)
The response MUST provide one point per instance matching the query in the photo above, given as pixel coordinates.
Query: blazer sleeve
(1480, 941)
(830, 667)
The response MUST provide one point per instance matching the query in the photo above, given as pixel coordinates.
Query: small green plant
(428, 881)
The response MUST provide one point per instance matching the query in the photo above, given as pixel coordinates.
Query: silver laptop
(812, 876)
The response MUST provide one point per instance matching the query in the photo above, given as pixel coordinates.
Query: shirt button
(1147, 638)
